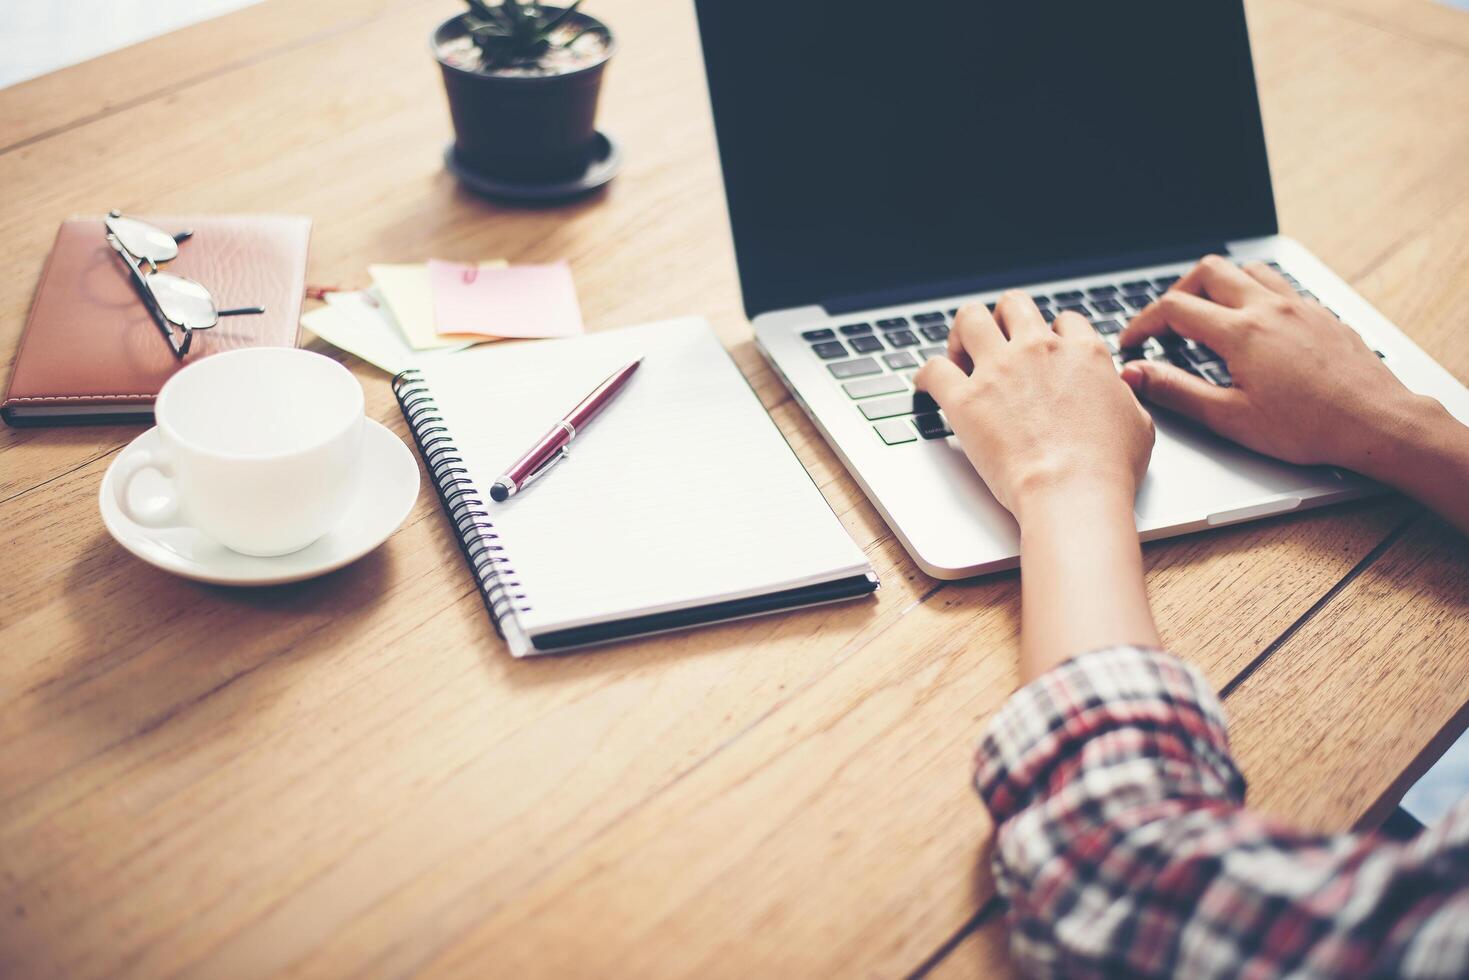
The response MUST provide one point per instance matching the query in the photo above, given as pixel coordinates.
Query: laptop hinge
(900, 296)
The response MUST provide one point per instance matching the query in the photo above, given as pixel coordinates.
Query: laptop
(885, 164)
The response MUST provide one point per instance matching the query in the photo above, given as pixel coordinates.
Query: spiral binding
(478, 539)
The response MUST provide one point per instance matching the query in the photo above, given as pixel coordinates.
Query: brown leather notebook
(91, 352)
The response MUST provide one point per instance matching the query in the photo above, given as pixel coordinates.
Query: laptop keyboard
(874, 361)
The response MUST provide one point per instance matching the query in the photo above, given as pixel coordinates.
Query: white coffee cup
(262, 447)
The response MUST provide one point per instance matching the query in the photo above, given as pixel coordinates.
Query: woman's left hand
(1039, 408)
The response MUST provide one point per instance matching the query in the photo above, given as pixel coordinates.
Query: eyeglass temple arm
(185, 235)
(140, 286)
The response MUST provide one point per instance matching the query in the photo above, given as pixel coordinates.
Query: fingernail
(1135, 376)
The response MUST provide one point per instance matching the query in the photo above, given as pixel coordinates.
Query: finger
(1075, 325)
(975, 333)
(1270, 279)
(1019, 317)
(942, 379)
(1186, 315)
(957, 354)
(1219, 279)
(1178, 391)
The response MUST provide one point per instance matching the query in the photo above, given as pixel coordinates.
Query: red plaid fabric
(1124, 848)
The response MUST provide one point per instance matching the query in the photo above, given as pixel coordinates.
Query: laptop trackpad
(1195, 475)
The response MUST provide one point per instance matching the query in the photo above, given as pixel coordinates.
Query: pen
(551, 448)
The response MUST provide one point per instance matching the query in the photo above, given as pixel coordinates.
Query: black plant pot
(532, 129)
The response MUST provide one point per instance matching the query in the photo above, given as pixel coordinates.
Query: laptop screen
(874, 147)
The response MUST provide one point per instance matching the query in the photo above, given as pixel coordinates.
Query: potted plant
(523, 80)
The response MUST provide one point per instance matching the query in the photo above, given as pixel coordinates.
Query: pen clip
(544, 468)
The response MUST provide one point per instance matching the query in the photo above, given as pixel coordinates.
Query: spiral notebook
(680, 505)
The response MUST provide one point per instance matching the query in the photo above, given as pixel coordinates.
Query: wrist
(1081, 573)
(1403, 440)
(1067, 499)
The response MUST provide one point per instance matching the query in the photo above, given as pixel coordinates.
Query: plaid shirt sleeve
(1124, 848)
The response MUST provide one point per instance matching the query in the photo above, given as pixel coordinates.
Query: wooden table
(351, 777)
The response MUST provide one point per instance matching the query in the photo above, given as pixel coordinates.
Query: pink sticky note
(514, 301)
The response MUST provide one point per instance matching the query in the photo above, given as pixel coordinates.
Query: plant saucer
(605, 164)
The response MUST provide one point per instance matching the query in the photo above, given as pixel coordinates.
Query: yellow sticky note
(338, 327)
(408, 293)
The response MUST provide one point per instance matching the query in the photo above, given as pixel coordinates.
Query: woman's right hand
(1306, 388)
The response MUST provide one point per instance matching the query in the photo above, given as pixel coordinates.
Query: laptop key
(1075, 308)
(893, 323)
(932, 426)
(931, 352)
(818, 335)
(830, 349)
(855, 369)
(865, 345)
(855, 329)
(1101, 292)
(903, 338)
(1041, 300)
(1049, 314)
(1070, 296)
(937, 331)
(1108, 326)
(1216, 374)
(1138, 301)
(886, 408)
(1136, 286)
(895, 432)
(900, 361)
(1164, 282)
(1107, 306)
(934, 317)
(887, 384)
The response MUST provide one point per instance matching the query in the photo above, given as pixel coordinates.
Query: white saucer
(388, 490)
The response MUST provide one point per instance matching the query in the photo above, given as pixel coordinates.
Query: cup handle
(165, 515)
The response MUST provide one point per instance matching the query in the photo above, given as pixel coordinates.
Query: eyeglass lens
(142, 239)
(183, 301)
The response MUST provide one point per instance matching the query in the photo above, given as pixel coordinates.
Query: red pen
(551, 448)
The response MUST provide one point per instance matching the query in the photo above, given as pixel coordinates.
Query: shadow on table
(153, 645)
(748, 636)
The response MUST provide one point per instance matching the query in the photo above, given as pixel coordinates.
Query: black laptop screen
(872, 146)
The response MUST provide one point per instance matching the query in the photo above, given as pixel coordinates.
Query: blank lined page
(681, 493)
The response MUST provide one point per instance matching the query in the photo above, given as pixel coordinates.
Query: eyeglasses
(173, 301)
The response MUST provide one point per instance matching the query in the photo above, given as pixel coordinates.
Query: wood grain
(1345, 696)
(140, 73)
(1432, 22)
(982, 953)
(349, 776)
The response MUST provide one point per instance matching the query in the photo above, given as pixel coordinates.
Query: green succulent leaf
(557, 20)
(515, 31)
